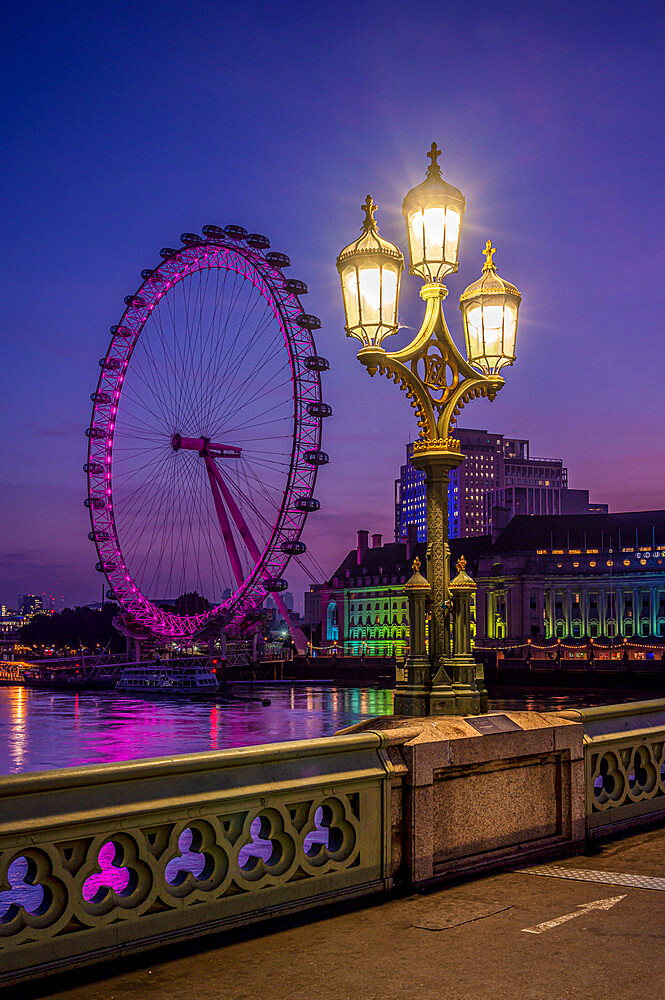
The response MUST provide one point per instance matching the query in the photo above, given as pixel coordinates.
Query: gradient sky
(126, 124)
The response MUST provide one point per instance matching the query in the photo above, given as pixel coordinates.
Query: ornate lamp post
(437, 380)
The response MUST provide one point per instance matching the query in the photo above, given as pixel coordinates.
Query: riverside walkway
(499, 936)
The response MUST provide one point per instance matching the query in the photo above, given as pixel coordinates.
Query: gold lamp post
(437, 380)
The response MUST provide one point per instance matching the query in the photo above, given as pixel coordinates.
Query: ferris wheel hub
(205, 447)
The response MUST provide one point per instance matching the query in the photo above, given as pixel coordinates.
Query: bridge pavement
(499, 936)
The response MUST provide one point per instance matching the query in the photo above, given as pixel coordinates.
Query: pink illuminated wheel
(205, 437)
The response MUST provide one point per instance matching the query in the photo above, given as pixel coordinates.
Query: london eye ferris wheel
(205, 436)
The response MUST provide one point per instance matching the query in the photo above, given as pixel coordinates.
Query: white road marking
(607, 878)
(596, 904)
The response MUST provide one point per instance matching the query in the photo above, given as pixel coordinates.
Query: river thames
(41, 730)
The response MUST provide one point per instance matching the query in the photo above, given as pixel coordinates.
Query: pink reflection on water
(109, 877)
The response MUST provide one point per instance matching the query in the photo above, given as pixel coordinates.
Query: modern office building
(497, 480)
(29, 604)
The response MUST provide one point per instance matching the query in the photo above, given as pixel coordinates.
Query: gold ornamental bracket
(437, 379)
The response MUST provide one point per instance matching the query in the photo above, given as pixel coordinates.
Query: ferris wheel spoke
(263, 397)
(223, 384)
(232, 387)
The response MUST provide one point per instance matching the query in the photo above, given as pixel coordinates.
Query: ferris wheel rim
(250, 264)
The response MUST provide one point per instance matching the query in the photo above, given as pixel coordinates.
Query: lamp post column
(412, 688)
(437, 464)
(469, 697)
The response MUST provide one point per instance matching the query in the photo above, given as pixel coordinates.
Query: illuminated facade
(549, 577)
(575, 576)
(363, 605)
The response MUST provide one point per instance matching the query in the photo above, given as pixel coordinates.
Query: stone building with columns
(549, 577)
(574, 576)
(363, 604)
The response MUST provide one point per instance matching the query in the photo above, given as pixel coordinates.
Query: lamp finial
(460, 564)
(369, 208)
(416, 564)
(434, 170)
(489, 252)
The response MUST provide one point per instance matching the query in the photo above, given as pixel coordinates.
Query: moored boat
(166, 679)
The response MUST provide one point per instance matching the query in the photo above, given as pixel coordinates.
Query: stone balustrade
(624, 756)
(104, 860)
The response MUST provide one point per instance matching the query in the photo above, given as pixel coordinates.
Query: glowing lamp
(370, 271)
(489, 310)
(433, 212)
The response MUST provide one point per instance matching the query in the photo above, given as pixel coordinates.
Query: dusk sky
(127, 124)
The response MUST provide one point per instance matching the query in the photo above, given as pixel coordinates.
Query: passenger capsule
(293, 548)
(317, 364)
(316, 457)
(94, 467)
(257, 241)
(100, 398)
(308, 504)
(95, 432)
(275, 586)
(110, 364)
(319, 409)
(213, 232)
(235, 232)
(134, 300)
(308, 321)
(100, 536)
(106, 567)
(190, 238)
(295, 286)
(94, 503)
(278, 259)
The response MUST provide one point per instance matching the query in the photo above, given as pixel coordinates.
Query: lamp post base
(443, 701)
(412, 690)
(467, 695)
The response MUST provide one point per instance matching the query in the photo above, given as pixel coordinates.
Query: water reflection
(40, 730)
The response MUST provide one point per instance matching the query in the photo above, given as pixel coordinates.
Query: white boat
(163, 678)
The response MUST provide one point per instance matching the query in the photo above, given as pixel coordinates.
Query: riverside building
(579, 576)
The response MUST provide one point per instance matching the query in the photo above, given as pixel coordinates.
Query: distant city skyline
(111, 151)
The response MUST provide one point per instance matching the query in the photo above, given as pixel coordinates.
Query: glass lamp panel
(369, 285)
(434, 220)
(509, 329)
(350, 287)
(389, 296)
(493, 333)
(453, 220)
(474, 319)
(416, 237)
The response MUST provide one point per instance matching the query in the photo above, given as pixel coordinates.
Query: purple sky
(127, 124)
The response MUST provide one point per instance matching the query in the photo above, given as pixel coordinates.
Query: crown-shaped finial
(434, 170)
(369, 208)
(416, 564)
(489, 252)
(460, 564)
